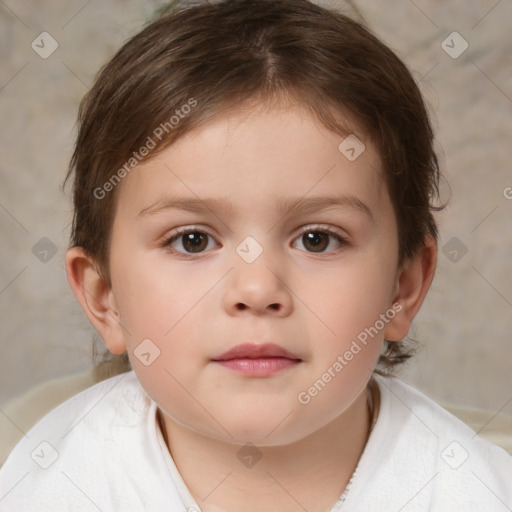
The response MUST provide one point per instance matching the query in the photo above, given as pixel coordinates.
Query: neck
(309, 474)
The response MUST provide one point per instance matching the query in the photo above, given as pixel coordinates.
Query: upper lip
(253, 351)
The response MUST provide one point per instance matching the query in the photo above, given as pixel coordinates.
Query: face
(255, 230)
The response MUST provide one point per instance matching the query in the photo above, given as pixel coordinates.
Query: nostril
(275, 307)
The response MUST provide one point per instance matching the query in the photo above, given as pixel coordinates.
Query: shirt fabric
(103, 450)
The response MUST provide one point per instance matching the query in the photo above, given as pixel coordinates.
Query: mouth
(258, 360)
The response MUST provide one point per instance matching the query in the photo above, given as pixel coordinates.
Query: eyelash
(179, 233)
(326, 230)
(307, 229)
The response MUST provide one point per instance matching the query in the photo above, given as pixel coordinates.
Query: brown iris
(195, 241)
(315, 241)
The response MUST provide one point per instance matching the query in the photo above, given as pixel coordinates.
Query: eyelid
(304, 229)
(343, 241)
(168, 238)
(192, 228)
(322, 227)
(182, 230)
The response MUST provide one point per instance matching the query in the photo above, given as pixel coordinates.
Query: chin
(265, 431)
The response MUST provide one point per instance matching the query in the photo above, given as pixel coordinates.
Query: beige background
(466, 324)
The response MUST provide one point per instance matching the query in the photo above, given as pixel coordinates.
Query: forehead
(258, 158)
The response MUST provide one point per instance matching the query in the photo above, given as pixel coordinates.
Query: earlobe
(413, 282)
(95, 297)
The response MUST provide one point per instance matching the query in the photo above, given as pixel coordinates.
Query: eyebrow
(318, 203)
(285, 207)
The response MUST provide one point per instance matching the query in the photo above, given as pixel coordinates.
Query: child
(253, 187)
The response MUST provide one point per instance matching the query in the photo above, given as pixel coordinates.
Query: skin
(195, 306)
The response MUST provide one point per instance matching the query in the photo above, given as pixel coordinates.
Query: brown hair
(191, 63)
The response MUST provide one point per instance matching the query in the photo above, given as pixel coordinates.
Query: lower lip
(262, 367)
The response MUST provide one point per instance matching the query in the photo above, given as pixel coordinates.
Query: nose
(254, 288)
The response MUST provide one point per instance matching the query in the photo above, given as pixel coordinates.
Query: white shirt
(103, 450)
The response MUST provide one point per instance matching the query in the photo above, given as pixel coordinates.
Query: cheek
(165, 351)
(350, 298)
(347, 352)
(160, 312)
(354, 307)
(153, 299)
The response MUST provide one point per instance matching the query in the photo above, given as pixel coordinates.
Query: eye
(319, 240)
(191, 241)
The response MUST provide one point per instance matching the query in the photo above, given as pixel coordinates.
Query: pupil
(315, 241)
(194, 242)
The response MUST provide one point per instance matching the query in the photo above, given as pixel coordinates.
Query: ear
(412, 284)
(95, 297)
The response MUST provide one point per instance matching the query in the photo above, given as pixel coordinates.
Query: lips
(252, 351)
(258, 361)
